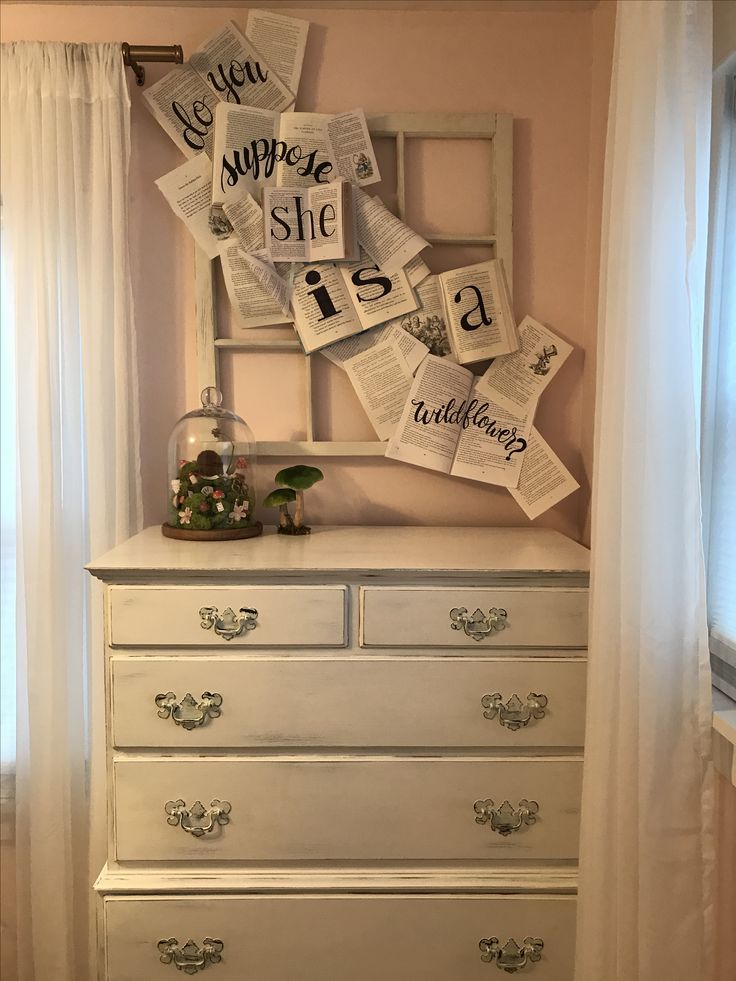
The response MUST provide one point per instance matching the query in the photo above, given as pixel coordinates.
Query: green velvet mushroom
(299, 479)
(281, 498)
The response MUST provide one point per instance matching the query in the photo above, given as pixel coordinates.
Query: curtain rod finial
(133, 55)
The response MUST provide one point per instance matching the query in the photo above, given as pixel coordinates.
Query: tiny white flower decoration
(207, 490)
(185, 516)
(176, 486)
(239, 511)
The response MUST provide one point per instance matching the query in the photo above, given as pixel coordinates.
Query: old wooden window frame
(495, 127)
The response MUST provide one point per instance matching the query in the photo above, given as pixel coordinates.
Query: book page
(268, 276)
(386, 239)
(427, 322)
(188, 189)
(478, 307)
(411, 349)
(246, 217)
(323, 311)
(429, 427)
(307, 157)
(230, 65)
(381, 379)
(544, 480)
(331, 206)
(416, 270)
(252, 304)
(517, 380)
(184, 107)
(282, 42)
(351, 147)
(492, 443)
(244, 151)
(377, 296)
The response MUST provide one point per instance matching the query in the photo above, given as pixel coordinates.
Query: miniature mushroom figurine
(299, 479)
(281, 498)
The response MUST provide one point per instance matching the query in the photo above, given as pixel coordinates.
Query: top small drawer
(227, 616)
(477, 618)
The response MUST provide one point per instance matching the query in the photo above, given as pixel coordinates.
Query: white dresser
(354, 756)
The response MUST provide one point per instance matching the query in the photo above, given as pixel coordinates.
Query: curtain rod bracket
(134, 54)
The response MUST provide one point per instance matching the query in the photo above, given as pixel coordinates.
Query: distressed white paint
(346, 809)
(421, 617)
(352, 772)
(355, 938)
(474, 555)
(346, 701)
(307, 616)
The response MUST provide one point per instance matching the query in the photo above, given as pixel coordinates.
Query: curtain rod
(133, 54)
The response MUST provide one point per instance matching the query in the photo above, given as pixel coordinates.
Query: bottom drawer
(341, 938)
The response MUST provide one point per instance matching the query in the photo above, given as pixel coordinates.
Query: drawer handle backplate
(477, 625)
(511, 957)
(514, 714)
(506, 819)
(190, 958)
(189, 713)
(198, 820)
(228, 624)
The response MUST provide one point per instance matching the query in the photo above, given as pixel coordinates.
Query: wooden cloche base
(216, 535)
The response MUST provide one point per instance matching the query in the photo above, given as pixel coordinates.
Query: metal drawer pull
(514, 714)
(477, 625)
(189, 713)
(190, 958)
(511, 957)
(228, 624)
(198, 820)
(506, 819)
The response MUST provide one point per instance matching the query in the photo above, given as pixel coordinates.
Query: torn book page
(188, 190)
(386, 239)
(544, 480)
(282, 41)
(381, 379)
(517, 380)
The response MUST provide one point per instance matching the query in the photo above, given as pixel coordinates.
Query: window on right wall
(719, 389)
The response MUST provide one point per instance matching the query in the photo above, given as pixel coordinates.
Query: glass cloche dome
(211, 493)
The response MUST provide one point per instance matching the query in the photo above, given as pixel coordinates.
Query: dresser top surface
(355, 549)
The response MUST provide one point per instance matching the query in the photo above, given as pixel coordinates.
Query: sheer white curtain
(65, 149)
(645, 895)
(719, 396)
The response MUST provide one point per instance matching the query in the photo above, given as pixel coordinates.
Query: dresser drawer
(313, 809)
(227, 616)
(476, 618)
(263, 701)
(341, 937)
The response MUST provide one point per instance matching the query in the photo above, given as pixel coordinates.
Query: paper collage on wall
(278, 195)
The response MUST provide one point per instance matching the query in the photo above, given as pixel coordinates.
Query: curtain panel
(65, 148)
(645, 896)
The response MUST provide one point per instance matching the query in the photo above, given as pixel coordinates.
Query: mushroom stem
(284, 516)
(299, 509)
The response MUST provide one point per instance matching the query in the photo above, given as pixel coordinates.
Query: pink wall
(550, 70)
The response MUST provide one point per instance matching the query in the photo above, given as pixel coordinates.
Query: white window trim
(7, 803)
